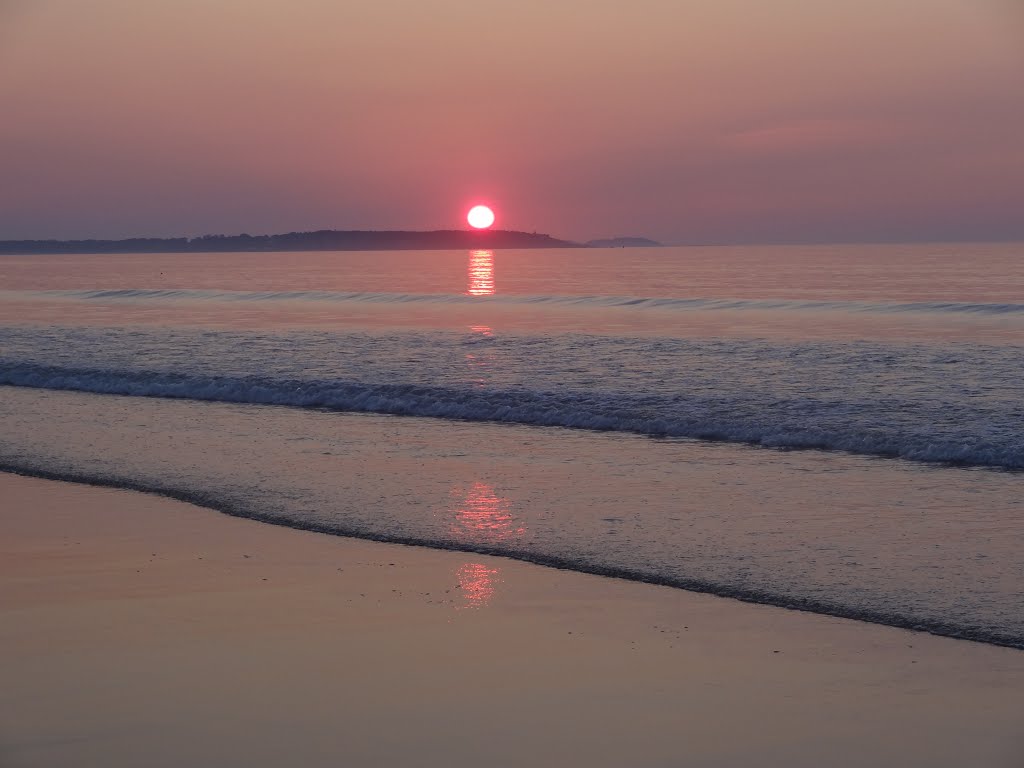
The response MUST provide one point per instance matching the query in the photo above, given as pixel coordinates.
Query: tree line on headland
(322, 240)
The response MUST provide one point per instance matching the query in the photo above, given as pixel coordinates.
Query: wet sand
(136, 630)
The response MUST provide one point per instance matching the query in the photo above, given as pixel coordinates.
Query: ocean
(837, 429)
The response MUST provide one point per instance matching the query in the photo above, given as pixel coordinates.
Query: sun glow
(480, 217)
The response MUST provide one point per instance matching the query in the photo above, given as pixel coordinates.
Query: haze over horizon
(734, 121)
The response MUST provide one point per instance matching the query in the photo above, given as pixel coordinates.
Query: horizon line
(716, 243)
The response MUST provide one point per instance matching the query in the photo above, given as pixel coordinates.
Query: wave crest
(649, 415)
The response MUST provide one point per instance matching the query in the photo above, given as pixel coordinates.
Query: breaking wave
(775, 425)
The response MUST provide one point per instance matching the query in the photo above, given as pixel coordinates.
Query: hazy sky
(683, 120)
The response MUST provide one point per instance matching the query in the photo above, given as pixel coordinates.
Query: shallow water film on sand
(834, 429)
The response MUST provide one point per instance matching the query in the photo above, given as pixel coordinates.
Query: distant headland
(624, 242)
(322, 240)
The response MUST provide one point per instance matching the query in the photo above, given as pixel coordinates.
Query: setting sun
(480, 217)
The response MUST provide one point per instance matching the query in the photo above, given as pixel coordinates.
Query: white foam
(664, 417)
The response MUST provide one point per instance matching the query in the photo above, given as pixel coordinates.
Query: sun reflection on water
(480, 361)
(482, 516)
(481, 273)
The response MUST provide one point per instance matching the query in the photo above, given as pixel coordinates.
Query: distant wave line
(582, 301)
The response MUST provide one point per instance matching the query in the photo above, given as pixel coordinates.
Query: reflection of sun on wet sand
(477, 582)
(481, 516)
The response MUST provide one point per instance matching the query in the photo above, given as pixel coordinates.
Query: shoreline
(205, 501)
(143, 630)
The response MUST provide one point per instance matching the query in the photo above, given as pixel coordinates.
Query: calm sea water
(837, 429)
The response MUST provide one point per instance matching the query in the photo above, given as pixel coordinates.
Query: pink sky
(686, 121)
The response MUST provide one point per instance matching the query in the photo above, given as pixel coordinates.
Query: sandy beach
(143, 631)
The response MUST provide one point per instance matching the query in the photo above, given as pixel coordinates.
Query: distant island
(624, 242)
(322, 240)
